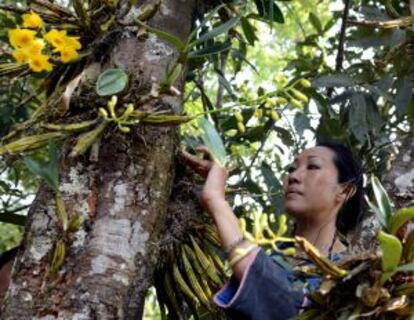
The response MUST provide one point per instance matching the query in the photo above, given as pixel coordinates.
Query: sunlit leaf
(391, 248)
(316, 23)
(382, 201)
(377, 212)
(212, 141)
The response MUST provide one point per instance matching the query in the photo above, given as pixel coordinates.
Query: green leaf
(223, 81)
(333, 80)
(269, 10)
(252, 187)
(382, 201)
(167, 37)
(48, 171)
(61, 211)
(111, 81)
(171, 76)
(223, 28)
(377, 212)
(212, 141)
(406, 268)
(391, 248)
(285, 135)
(400, 218)
(358, 116)
(249, 31)
(316, 23)
(270, 179)
(43, 171)
(301, 123)
(373, 116)
(81, 12)
(404, 95)
(211, 49)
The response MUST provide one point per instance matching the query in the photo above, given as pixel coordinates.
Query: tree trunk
(399, 182)
(121, 198)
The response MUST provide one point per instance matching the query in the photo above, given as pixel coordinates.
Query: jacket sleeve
(264, 293)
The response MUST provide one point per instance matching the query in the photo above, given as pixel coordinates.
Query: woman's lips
(293, 192)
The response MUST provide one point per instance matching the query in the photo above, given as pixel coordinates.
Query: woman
(322, 191)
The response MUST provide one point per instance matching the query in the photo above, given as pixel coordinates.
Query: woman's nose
(295, 176)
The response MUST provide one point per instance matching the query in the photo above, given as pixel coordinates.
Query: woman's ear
(347, 191)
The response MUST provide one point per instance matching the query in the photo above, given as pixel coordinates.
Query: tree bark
(399, 182)
(121, 198)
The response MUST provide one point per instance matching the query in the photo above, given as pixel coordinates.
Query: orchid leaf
(111, 81)
(382, 201)
(391, 248)
(400, 218)
(212, 141)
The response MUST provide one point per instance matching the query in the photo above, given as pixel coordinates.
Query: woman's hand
(214, 188)
(213, 200)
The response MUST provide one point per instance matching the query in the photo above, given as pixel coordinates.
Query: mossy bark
(399, 182)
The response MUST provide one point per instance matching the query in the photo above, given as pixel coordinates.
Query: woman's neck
(322, 236)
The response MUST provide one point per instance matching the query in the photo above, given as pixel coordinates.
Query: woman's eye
(313, 167)
(291, 169)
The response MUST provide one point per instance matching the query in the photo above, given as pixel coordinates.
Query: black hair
(349, 172)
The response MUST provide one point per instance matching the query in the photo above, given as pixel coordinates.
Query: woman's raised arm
(214, 201)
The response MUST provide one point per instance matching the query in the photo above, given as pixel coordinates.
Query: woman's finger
(199, 165)
(191, 159)
(206, 153)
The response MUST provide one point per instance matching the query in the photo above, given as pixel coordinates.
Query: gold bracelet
(232, 246)
(241, 253)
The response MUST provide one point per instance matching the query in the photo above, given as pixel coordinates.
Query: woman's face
(311, 188)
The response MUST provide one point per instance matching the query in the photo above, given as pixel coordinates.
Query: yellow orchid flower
(56, 38)
(67, 54)
(32, 20)
(21, 37)
(20, 55)
(23, 55)
(40, 63)
(73, 42)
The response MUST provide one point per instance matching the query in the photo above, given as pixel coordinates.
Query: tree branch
(10, 216)
(341, 45)
(223, 64)
(340, 56)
